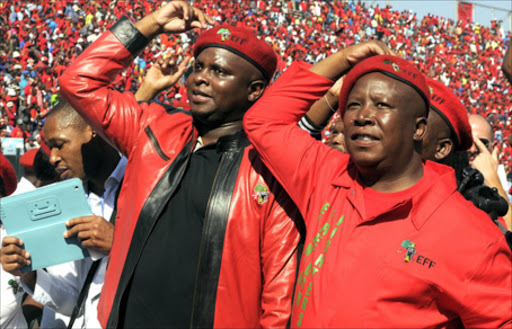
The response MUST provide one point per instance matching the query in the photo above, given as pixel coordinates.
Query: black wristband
(129, 36)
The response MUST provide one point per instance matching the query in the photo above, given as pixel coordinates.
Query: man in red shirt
(390, 243)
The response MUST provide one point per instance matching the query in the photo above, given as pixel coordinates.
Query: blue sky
(447, 8)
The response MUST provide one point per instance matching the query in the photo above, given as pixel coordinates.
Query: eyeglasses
(485, 141)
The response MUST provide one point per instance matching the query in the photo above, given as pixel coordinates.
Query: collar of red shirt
(439, 186)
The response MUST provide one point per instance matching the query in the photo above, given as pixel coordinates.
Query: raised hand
(486, 162)
(178, 16)
(336, 65)
(173, 17)
(162, 75)
(361, 51)
(334, 91)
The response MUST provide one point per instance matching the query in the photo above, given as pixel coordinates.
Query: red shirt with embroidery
(423, 257)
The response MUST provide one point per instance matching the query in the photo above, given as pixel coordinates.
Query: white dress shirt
(24, 185)
(59, 287)
(11, 315)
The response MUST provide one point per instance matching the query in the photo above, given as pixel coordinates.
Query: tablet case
(37, 217)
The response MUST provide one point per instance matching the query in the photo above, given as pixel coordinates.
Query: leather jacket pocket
(154, 142)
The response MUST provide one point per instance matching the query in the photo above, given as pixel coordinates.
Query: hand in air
(178, 16)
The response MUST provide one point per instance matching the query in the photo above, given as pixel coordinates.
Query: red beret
(391, 66)
(7, 175)
(44, 146)
(27, 159)
(242, 42)
(449, 107)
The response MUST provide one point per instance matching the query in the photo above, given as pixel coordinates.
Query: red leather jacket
(248, 253)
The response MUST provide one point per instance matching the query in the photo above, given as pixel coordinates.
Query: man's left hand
(486, 162)
(93, 232)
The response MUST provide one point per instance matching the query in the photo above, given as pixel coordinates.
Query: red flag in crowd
(465, 11)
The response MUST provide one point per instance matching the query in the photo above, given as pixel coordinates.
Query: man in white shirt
(11, 314)
(76, 151)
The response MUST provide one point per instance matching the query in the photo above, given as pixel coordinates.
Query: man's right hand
(173, 17)
(359, 52)
(338, 64)
(178, 16)
(13, 257)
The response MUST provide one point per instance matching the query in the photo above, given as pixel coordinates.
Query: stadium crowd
(43, 37)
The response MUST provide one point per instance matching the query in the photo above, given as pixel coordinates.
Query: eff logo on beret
(224, 34)
(396, 68)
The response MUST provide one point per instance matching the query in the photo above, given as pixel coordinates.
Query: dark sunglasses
(485, 141)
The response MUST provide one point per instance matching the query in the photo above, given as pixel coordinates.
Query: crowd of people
(285, 176)
(43, 37)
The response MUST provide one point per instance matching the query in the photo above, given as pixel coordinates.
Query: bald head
(481, 127)
(483, 131)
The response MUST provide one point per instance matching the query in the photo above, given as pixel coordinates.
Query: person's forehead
(223, 56)
(54, 128)
(480, 127)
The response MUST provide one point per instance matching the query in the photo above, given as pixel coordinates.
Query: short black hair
(67, 115)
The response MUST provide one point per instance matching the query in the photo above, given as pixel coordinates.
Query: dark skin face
(222, 87)
(437, 143)
(79, 152)
(337, 138)
(65, 143)
(384, 126)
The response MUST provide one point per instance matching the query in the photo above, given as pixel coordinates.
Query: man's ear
(255, 90)
(420, 129)
(443, 149)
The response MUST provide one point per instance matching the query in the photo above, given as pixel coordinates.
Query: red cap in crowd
(391, 66)
(7, 175)
(449, 107)
(44, 146)
(242, 42)
(27, 159)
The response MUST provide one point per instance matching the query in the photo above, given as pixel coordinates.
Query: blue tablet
(37, 217)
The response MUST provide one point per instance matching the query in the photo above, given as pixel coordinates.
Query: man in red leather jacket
(205, 236)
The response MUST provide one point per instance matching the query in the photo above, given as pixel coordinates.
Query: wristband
(328, 104)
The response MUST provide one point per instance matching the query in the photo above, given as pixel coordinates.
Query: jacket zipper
(154, 142)
(203, 236)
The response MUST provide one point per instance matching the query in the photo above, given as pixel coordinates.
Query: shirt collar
(116, 176)
(424, 202)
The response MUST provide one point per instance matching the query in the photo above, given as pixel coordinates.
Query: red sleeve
(85, 85)
(291, 154)
(487, 296)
